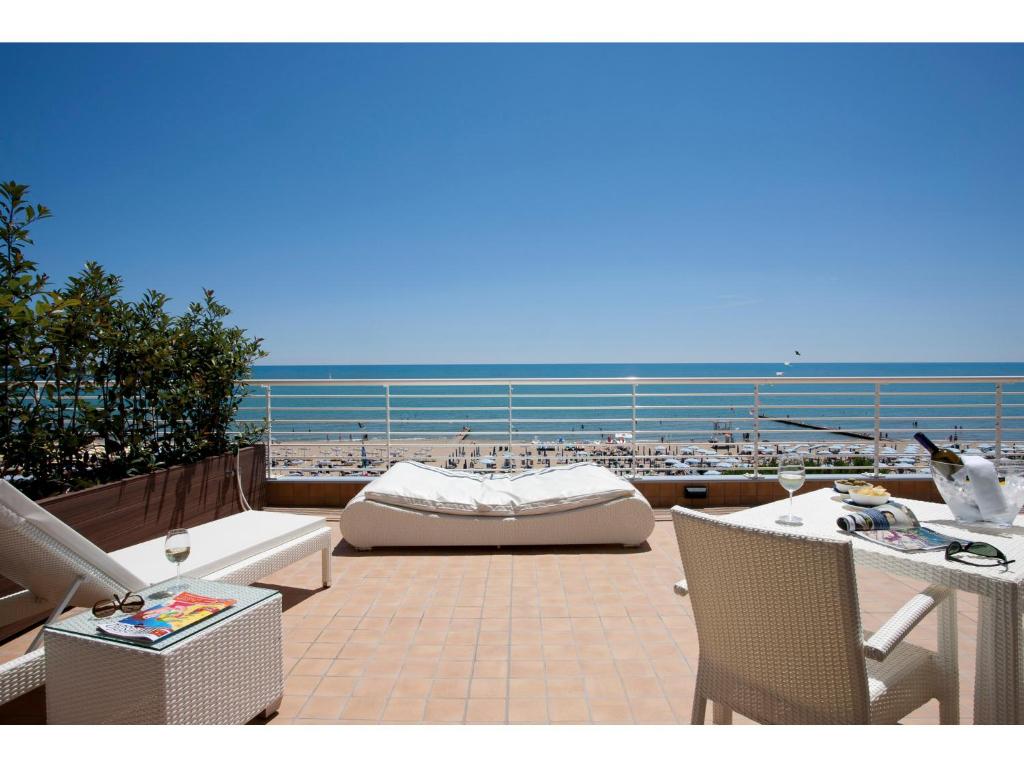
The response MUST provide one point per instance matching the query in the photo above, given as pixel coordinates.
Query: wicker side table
(226, 669)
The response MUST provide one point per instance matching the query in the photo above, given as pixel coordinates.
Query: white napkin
(985, 483)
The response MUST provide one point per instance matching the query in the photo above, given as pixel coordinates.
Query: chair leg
(57, 611)
(326, 566)
(700, 705)
(720, 714)
(271, 708)
(949, 701)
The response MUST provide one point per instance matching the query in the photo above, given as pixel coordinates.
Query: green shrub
(128, 386)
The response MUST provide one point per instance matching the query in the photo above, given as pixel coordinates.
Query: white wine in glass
(791, 477)
(177, 548)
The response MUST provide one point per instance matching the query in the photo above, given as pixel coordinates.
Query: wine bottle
(948, 462)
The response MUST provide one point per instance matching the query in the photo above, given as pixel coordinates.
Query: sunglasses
(128, 604)
(977, 549)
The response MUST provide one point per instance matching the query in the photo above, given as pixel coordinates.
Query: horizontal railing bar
(631, 380)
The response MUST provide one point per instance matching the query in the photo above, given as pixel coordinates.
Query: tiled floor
(557, 635)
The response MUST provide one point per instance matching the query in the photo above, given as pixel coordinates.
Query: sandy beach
(359, 458)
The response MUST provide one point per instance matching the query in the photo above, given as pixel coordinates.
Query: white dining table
(998, 696)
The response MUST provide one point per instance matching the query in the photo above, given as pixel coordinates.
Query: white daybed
(59, 567)
(413, 504)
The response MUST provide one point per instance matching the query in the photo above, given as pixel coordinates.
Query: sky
(543, 203)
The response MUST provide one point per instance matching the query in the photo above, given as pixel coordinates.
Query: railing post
(757, 430)
(633, 433)
(509, 428)
(270, 429)
(387, 426)
(878, 427)
(999, 421)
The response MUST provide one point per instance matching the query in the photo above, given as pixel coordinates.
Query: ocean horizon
(616, 370)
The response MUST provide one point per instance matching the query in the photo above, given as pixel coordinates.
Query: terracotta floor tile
(450, 688)
(653, 710)
(323, 650)
(323, 707)
(527, 688)
(568, 711)
(604, 687)
(610, 712)
(454, 668)
(444, 710)
(412, 688)
(485, 711)
(528, 710)
(364, 708)
(641, 687)
(317, 667)
(419, 668)
(335, 686)
(565, 687)
(371, 687)
(488, 688)
(490, 669)
(404, 710)
(301, 685)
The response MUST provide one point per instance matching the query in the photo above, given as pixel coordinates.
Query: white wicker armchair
(780, 635)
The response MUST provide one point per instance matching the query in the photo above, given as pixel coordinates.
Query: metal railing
(635, 426)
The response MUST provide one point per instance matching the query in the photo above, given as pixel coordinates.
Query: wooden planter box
(116, 515)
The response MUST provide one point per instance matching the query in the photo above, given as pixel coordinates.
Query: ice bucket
(955, 489)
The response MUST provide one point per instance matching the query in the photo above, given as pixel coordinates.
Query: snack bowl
(845, 486)
(863, 499)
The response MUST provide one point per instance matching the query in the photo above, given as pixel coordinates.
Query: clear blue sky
(407, 204)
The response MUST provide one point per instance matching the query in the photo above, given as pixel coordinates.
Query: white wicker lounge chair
(59, 567)
(780, 633)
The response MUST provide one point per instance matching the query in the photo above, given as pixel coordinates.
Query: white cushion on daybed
(416, 486)
(218, 544)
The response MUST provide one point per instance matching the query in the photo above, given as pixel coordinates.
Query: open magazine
(895, 526)
(156, 623)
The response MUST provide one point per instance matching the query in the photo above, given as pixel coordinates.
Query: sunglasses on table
(962, 552)
(130, 603)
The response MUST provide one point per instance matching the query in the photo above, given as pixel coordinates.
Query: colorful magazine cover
(156, 623)
(893, 525)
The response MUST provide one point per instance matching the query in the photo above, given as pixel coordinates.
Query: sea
(698, 412)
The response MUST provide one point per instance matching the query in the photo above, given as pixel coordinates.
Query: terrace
(578, 634)
(538, 635)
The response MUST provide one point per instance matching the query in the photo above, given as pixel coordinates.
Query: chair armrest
(895, 630)
(680, 588)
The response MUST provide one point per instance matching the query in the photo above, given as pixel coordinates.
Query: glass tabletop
(86, 625)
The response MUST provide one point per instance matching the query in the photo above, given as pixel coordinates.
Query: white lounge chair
(58, 567)
(780, 635)
(415, 505)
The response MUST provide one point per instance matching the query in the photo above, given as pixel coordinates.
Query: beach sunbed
(415, 505)
(58, 567)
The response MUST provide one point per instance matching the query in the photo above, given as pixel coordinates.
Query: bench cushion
(218, 544)
(416, 486)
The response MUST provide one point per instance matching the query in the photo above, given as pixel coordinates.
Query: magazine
(156, 623)
(893, 525)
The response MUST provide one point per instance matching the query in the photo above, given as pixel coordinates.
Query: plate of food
(845, 486)
(870, 496)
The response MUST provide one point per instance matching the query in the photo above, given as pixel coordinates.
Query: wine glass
(177, 548)
(791, 477)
